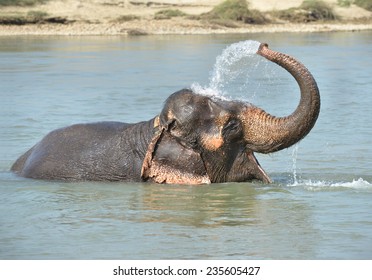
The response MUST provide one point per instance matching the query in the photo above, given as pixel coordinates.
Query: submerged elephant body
(97, 151)
(194, 140)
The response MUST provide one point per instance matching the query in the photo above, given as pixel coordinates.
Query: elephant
(196, 139)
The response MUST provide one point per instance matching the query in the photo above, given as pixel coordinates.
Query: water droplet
(227, 68)
(294, 164)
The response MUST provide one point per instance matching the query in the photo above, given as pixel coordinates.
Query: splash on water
(225, 67)
(319, 185)
(229, 66)
(294, 163)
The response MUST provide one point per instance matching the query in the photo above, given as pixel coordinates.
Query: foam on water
(227, 68)
(321, 185)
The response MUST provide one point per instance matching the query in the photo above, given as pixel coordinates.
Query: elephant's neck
(140, 136)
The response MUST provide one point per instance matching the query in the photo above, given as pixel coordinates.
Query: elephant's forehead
(198, 108)
(231, 105)
(219, 111)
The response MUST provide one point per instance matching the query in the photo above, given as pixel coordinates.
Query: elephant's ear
(147, 162)
(167, 161)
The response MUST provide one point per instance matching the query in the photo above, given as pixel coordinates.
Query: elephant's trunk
(265, 133)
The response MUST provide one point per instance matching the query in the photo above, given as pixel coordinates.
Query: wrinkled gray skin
(195, 140)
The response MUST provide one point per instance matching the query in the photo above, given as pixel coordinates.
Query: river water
(319, 206)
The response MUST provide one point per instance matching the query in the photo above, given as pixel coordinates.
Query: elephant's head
(202, 139)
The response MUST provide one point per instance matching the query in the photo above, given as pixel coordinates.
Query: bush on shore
(365, 4)
(125, 18)
(235, 10)
(308, 11)
(21, 2)
(169, 13)
(32, 17)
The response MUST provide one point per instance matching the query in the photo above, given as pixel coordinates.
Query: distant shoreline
(141, 17)
(170, 27)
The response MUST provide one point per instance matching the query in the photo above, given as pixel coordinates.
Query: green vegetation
(12, 19)
(32, 17)
(235, 10)
(36, 16)
(20, 19)
(230, 10)
(126, 18)
(365, 4)
(308, 11)
(318, 10)
(21, 2)
(169, 13)
(344, 3)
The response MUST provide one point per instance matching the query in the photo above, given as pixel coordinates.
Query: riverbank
(148, 27)
(140, 17)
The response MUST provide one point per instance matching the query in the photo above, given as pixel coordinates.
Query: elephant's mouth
(261, 174)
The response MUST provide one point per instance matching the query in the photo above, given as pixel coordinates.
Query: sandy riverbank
(146, 27)
(100, 17)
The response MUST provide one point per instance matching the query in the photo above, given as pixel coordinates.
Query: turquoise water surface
(319, 206)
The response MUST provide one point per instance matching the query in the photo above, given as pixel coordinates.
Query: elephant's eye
(173, 125)
(232, 128)
(232, 125)
(174, 129)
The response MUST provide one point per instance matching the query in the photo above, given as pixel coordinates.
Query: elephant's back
(65, 151)
(98, 129)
